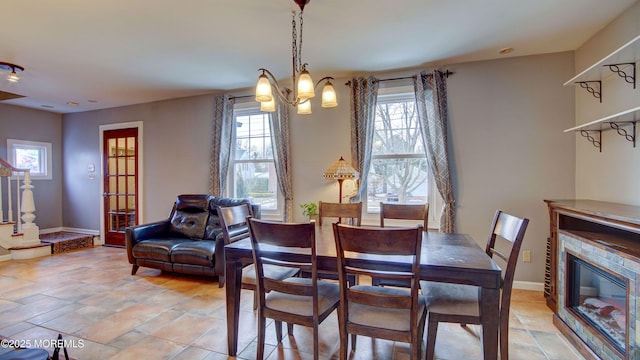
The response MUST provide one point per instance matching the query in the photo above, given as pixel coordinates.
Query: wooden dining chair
(233, 220)
(459, 303)
(406, 213)
(380, 312)
(351, 212)
(418, 212)
(302, 301)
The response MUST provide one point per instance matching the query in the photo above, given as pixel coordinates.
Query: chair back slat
(288, 288)
(347, 211)
(499, 254)
(233, 221)
(386, 301)
(418, 212)
(376, 240)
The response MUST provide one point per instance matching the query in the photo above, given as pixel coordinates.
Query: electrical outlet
(526, 256)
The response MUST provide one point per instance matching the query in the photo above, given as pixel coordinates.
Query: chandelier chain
(300, 43)
(301, 78)
(294, 43)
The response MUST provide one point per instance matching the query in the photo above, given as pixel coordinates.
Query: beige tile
(184, 329)
(90, 296)
(150, 348)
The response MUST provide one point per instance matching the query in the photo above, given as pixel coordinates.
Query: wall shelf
(620, 63)
(623, 122)
(626, 55)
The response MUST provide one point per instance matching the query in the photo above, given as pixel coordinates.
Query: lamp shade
(263, 89)
(329, 96)
(268, 106)
(13, 77)
(341, 170)
(304, 107)
(305, 86)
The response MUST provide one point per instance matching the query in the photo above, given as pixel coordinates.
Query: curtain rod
(447, 73)
(240, 97)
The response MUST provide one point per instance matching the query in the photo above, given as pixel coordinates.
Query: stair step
(30, 252)
(63, 241)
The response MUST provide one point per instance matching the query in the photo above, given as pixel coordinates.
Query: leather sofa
(189, 241)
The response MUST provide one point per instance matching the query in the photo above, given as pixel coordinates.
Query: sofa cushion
(190, 216)
(194, 252)
(156, 249)
(188, 224)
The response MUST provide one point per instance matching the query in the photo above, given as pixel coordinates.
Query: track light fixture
(15, 69)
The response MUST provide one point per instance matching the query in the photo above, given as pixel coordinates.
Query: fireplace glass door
(599, 298)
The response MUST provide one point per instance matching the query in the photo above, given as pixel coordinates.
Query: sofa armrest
(135, 234)
(256, 210)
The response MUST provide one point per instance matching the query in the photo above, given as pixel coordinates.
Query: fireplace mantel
(604, 234)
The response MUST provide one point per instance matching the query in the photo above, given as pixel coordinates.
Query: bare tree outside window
(253, 174)
(399, 171)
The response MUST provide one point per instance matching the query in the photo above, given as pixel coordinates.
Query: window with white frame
(251, 169)
(32, 155)
(399, 171)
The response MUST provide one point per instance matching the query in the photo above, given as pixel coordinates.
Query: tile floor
(90, 298)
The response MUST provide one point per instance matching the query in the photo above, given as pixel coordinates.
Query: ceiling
(102, 54)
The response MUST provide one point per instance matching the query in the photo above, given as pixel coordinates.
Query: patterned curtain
(220, 143)
(431, 102)
(279, 121)
(364, 93)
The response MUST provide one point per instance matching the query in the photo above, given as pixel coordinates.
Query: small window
(32, 155)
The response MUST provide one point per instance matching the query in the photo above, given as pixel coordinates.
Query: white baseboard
(528, 285)
(51, 230)
(76, 230)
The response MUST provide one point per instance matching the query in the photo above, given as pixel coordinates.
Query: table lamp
(341, 171)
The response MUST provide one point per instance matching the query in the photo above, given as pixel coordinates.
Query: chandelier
(304, 89)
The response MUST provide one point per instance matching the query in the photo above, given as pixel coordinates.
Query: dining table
(451, 258)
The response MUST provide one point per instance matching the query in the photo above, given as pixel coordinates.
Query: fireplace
(598, 294)
(598, 299)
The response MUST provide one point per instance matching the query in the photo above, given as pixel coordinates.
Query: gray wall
(509, 151)
(35, 125)
(613, 174)
(176, 156)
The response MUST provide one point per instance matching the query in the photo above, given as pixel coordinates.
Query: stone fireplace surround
(626, 266)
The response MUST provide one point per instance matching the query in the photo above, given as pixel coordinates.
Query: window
(251, 169)
(399, 171)
(32, 155)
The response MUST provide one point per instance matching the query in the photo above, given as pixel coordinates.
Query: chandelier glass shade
(303, 88)
(15, 69)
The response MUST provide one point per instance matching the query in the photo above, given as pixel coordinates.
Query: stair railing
(25, 203)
